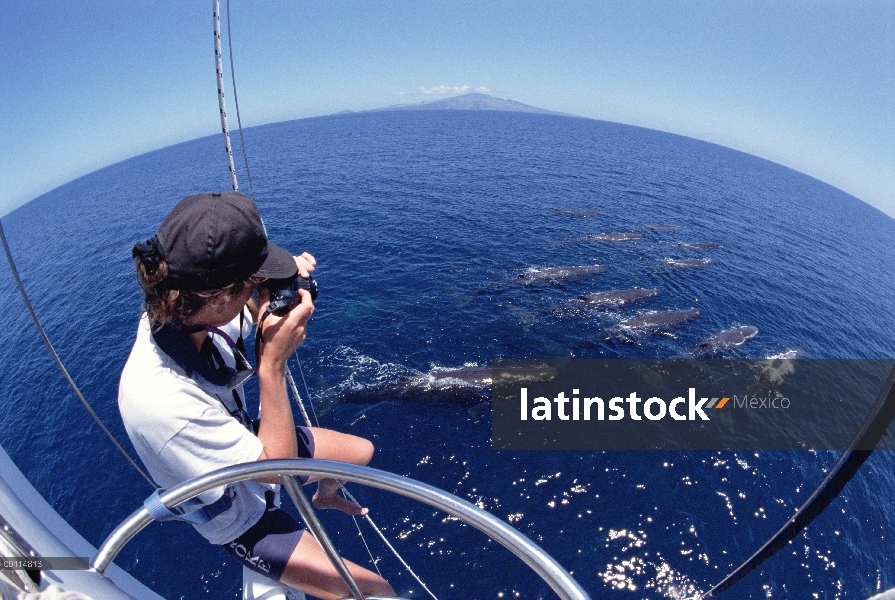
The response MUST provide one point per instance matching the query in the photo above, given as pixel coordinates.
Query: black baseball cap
(213, 240)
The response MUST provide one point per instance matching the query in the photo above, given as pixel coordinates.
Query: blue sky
(810, 85)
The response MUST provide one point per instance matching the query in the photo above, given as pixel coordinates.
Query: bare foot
(327, 497)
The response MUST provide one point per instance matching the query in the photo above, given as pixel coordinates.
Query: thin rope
(298, 401)
(71, 382)
(349, 495)
(221, 104)
(305, 383)
(307, 419)
(862, 445)
(242, 140)
(367, 546)
(390, 547)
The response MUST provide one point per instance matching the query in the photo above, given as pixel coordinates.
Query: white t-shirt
(181, 427)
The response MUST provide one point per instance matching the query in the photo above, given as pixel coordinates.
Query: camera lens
(307, 284)
(284, 293)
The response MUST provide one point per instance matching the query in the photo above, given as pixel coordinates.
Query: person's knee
(343, 447)
(365, 450)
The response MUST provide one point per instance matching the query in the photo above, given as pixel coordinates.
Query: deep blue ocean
(421, 223)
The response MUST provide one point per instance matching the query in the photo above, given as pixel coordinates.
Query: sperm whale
(700, 246)
(686, 263)
(460, 386)
(660, 319)
(727, 339)
(617, 297)
(555, 273)
(614, 237)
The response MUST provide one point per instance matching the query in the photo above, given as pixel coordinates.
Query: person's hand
(305, 264)
(281, 335)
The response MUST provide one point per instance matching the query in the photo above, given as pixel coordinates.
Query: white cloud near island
(452, 89)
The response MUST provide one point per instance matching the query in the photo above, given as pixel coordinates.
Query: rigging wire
(290, 379)
(301, 405)
(360, 534)
(242, 140)
(859, 450)
(307, 419)
(351, 497)
(388, 544)
(71, 382)
(305, 383)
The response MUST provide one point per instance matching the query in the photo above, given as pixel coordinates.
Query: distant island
(472, 101)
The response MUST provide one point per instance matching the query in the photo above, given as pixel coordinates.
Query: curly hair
(164, 303)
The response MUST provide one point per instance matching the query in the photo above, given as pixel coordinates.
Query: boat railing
(559, 580)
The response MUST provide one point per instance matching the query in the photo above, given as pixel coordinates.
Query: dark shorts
(268, 544)
(305, 442)
(266, 547)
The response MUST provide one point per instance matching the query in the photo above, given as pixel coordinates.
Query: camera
(284, 292)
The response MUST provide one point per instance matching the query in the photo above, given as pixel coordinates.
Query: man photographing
(181, 392)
